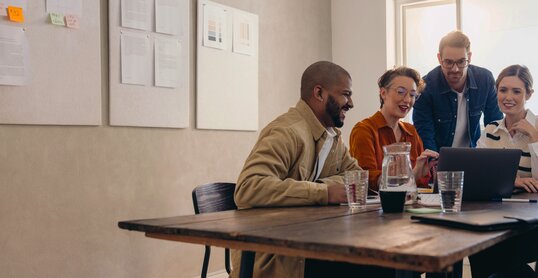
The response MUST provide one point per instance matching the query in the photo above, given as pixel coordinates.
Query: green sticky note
(423, 210)
(57, 19)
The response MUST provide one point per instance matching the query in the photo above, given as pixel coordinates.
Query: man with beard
(457, 93)
(299, 160)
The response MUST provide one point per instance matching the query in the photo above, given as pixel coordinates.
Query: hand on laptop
(425, 161)
(529, 184)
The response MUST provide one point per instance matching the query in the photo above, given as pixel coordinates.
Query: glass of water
(356, 183)
(450, 189)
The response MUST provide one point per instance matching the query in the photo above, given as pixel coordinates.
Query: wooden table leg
(247, 264)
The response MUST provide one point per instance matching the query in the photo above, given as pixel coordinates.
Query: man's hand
(337, 193)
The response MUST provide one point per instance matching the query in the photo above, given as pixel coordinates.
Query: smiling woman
(398, 90)
(518, 128)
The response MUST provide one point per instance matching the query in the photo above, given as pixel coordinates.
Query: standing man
(456, 95)
(299, 160)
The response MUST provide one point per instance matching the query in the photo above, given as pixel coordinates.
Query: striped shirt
(496, 135)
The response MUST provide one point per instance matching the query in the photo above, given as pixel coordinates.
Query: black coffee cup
(392, 201)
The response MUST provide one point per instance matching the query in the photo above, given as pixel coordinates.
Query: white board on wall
(149, 105)
(227, 73)
(64, 86)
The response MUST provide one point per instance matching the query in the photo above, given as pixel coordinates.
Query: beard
(333, 109)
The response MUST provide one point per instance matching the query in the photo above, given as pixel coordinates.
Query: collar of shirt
(379, 120)
(316, 127)
(530, 117)
(470, 82)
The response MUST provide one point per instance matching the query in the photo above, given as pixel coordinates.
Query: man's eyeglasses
(447, 63)
(402, 92)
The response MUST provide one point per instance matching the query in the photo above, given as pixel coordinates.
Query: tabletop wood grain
(335, 233)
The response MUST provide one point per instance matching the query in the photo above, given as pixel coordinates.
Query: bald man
(299, 160)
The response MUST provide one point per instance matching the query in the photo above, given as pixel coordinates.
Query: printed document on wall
(136, 14)
(167, 61)
(215, 31)
(14, 56)
(134, 58)
(167, 16)
(243, 33)
(71, 7)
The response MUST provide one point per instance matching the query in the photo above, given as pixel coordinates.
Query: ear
(529, 94)
(469, 54)
(318, 93)
(439, 58)
(383, 93)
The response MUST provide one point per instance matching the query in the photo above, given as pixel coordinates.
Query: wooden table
(331, 233)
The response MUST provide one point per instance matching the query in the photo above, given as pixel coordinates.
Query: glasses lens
(448, 63)
(462, 63)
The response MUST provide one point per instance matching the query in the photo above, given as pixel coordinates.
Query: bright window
(424, 24)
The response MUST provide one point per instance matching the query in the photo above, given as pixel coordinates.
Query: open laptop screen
(489, 173)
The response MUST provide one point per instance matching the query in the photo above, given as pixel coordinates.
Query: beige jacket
(277, 173)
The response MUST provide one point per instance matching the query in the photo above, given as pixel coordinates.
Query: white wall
(359, 35)
(63, 189)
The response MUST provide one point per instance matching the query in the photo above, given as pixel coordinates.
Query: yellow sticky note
(72, 21)
(15, 14)
(57, 19)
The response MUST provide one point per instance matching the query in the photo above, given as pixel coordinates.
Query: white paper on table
(134, 58)
(167, 15)
(136, 14)
(215, 31)
(73, 7)
(16, 3)
(243, 33)
(167, 59)
(14, 56)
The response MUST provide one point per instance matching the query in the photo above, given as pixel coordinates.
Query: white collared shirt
(461, 133)
(324, 152)
(496, 135)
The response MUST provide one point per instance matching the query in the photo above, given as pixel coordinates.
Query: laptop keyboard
(431, 200)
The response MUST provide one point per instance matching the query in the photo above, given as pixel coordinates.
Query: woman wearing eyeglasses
(398, 90)
(518, 128)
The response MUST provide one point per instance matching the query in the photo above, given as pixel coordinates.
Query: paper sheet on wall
(134, 58)
(215, 29)
(14, 56)
(167, 16)
(73, 7)
(136, 14)
(243, 33)
(167, 53)
(15, 3)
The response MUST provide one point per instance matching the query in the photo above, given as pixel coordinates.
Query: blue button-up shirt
(435, 112)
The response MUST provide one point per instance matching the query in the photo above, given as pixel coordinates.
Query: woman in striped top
(518, 128)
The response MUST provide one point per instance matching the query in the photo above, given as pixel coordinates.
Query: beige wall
(63, 189)
(360, 41)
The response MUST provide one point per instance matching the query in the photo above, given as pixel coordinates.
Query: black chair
(214, 197)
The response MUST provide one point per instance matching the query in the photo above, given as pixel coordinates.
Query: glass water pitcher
(396, 172)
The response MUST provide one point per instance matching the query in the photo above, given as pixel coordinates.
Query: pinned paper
(3, 10)
(71, 21)
(15, 14)
(57, 19)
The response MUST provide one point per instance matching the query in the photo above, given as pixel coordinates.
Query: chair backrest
(213, 197)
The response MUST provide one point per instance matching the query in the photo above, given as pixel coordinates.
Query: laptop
(489, 173)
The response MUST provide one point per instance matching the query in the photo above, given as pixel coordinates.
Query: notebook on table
(489, 173)
(483, 220)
